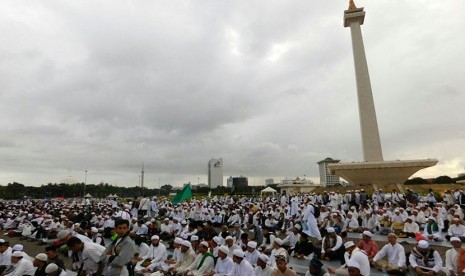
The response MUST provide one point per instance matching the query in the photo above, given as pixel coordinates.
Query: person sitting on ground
(268, 240)
(384, 225)
(353, 253)
(395, 254)
(203, 263)
(410, 228)
(5, 255)
(229, 242)
(252, 253)
(353, 269)
(368, 245)
(352, 224)
(224, 264)
(331, 246)
(157, 254)
(263, 269)
(52, 256)
(281, 267)
(278, 250)
(186, 259)
(432, 231)
(456, 229)
(292, 237)
(453, 256)
(40, 262)
(304, 247)
(53, 270)
(21, 265)
(425, 260)
(316, 268)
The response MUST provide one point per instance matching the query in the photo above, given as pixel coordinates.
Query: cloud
(267, 85)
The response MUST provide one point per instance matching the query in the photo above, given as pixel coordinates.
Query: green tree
(415, 180)
(444, 179)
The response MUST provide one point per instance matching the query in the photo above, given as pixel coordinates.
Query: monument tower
(374, 170)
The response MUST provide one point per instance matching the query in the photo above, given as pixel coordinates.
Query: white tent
(88, 196)
(268, 190)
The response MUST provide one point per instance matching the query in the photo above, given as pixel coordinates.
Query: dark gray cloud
(267, 85)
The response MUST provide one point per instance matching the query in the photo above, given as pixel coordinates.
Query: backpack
(316, 211)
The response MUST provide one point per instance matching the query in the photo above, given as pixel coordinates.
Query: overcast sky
(269, 86)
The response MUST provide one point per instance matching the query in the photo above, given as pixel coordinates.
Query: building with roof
(215, 173)
(326, 177)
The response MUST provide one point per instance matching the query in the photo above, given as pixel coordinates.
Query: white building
(326, 178)
(215, 172)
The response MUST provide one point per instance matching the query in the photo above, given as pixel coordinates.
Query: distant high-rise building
(269, 181)
(237, 182)
(215, 172)
(326, 178)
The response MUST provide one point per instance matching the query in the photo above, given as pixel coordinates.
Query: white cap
(330, 230)
(178, 240)
(228, 238)
(194, 238)
(349, 244)
(94, 230)
(186, 243)
(204, 243)
(298, 226)
(51, 268)
(155, 237)
(454, 239)
(17, 254)
(62, 234)
(18, 247)
(252, 244)
(218, 240)
(368, 234)
(264, 258)
(41, 257)
(423, 244)
(224, 249)
(238, 253)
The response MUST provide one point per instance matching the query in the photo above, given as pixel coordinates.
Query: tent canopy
(268, 190)
(88, 196)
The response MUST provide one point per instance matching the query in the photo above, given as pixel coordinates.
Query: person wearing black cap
(316, 268)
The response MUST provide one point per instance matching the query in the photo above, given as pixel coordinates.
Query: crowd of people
(237, 235)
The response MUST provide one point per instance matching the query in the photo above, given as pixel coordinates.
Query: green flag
(183, 195)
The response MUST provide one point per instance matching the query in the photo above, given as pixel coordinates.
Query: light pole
(85, 182)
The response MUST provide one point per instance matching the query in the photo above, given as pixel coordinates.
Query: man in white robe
(263, 269)
(242, 267)
(224, 264)
(203, 263)
(157, 254)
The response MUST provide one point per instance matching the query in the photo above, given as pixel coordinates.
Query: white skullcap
(432, 218)
(51, 268)
(155, 237)
(204, 243)
(238, 253)
(17, 254)
(353, 263)
(178, 240)
(94, 230)
(454, 239)
(41, 257)
(228, 238)
(264, 258)
(186, 243)
(252, 244)
(194, 238)
(62, 234)
(298, 226)
(349, 244)
(218, 240)
(368, 234)
(423, 244)
(331, 230)
(224, 249)
(18, 247)
(279, 241)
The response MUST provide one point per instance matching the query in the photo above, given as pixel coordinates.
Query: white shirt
(263, 272)
(292, 239)
(157, 254)
(252, 257)
(23, 267)
(451, 260)
(414, 262)
(411, 227)
(91, 256)
(223, 267)
(395, 254)
(362, 259)
(142, 249)
(242, 269)
(335, 247)
(208, 265)
(456, 231)
(5, 257)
